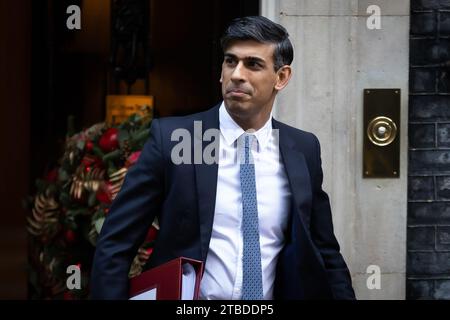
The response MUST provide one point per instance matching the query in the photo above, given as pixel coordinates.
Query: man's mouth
(237, 92)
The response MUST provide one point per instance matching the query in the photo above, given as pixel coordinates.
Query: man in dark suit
(244, 194)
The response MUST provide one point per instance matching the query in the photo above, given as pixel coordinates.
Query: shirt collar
(231, 131)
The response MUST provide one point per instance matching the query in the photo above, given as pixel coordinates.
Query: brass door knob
(382, 131)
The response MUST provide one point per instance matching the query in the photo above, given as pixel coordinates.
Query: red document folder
(166, 280)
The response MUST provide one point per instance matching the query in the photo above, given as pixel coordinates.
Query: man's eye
(254, 65)
(229, 61)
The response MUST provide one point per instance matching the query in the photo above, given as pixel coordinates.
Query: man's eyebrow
(248, 58)
(255, 59)
(229, 55)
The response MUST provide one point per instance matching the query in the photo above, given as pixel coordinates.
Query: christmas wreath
(67, 212)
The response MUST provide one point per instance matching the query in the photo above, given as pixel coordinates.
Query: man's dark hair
(262, 30)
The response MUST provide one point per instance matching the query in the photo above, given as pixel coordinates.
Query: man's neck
(253, 122)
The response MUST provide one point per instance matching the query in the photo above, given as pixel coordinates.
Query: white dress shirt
(222, 278)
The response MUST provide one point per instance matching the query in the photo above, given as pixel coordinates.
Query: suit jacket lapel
(206, 182)
(297, 172)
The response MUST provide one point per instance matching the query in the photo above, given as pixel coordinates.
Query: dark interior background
(49, 73)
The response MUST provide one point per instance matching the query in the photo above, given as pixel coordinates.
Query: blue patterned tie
(252, 288)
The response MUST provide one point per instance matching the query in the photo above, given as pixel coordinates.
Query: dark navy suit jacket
(310, 265)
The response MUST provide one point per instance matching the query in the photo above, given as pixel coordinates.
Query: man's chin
(235, 106)
(239, 109)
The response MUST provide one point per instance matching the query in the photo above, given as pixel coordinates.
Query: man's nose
(238, 73)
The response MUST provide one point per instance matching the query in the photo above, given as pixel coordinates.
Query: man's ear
(283, 76)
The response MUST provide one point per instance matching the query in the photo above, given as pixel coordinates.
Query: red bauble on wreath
(70, 236)
(89, 146)
(109, 141)
(104, 193)
(151, 234)
(132, 159)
